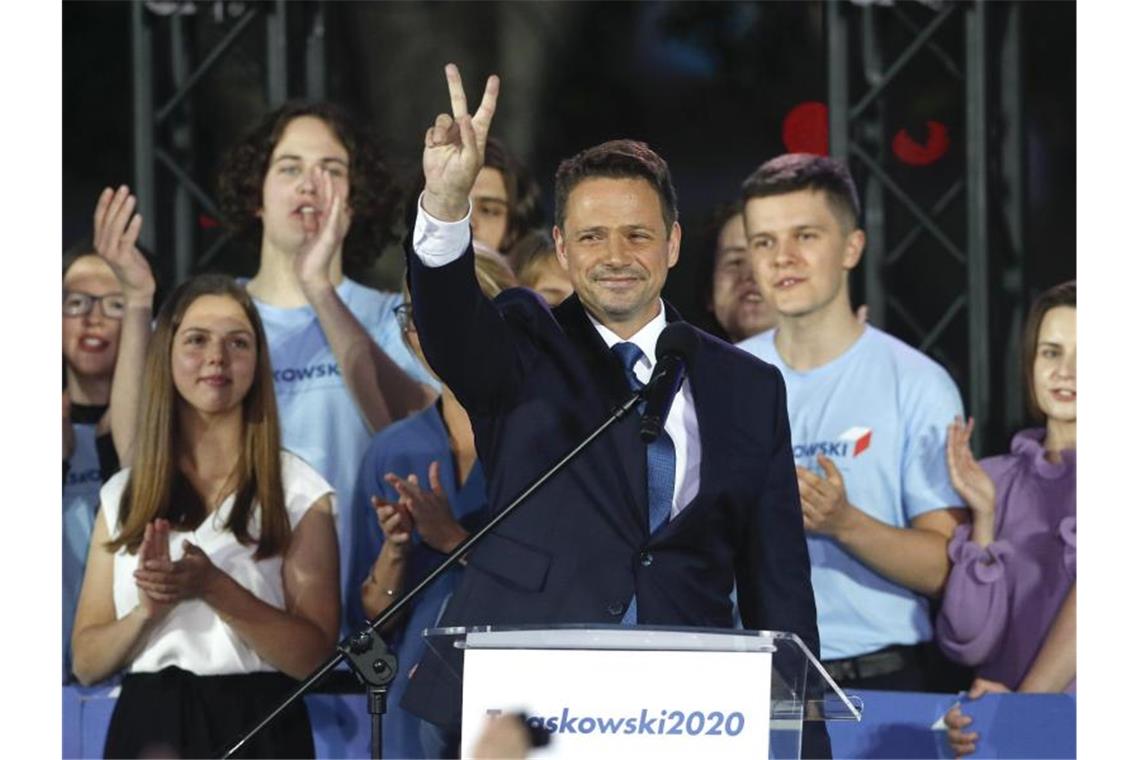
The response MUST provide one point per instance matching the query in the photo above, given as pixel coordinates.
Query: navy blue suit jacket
(535, 382)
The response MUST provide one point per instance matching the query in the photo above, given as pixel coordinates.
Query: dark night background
(708, 85)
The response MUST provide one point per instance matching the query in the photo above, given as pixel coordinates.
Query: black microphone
(676, 348)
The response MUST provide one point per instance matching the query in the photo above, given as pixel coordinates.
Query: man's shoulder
(912, 365)
(920, 380)
(761, 345)
(736, 363)
(416, 433)
(369, 303)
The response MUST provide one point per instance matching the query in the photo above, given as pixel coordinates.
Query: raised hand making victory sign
(454, 147)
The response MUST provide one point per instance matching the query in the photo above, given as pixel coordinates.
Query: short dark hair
(1064, 294)
(523, 194)
(706, 265)
(618, 159)
(372, 188)
(793, 172)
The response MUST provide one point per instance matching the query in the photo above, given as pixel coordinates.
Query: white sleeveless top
(192, 636)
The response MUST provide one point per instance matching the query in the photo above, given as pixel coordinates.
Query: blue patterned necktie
(660, 461)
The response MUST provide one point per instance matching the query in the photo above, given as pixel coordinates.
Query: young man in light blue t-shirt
(309, 185)
(868, 418)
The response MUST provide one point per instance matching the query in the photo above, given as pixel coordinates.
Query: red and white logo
(859, 438)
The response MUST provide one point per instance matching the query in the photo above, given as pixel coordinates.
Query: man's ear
(853, 248)
(560, 248)
(674, 244)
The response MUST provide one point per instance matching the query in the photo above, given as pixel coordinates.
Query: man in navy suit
(536, 381)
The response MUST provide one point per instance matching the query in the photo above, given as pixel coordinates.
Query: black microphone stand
(366, 651)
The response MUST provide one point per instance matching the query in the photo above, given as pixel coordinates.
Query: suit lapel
(621, 451)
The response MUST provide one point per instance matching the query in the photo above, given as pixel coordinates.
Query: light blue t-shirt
(320, 422)
(80, 503)
(880, 413)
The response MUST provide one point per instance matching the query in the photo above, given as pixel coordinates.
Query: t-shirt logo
(299, 374)
(858, 438)
(853, 442)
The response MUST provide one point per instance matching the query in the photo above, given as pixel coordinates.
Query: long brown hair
(157, 488)
(1064, 294)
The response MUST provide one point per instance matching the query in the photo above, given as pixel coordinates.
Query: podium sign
(623, 703)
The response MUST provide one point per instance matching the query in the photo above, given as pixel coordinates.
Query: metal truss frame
(175, 114)
(859, 135)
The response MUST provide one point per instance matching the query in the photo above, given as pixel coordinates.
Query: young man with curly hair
(311, 186)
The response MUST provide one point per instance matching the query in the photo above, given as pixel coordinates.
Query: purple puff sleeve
(975, 605)
(1067, 532)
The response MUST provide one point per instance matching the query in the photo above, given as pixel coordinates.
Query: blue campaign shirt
(80, 503)
(880, 413)
(406, 447)
(320, 421)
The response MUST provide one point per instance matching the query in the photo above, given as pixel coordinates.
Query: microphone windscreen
(679, 339)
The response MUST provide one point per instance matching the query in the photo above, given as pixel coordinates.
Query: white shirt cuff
(436, 242)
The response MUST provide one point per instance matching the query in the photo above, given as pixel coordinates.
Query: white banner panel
(615, 703)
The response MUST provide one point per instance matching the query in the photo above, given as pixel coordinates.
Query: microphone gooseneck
(676, 348)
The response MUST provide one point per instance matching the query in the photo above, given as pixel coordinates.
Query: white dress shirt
(438, 243)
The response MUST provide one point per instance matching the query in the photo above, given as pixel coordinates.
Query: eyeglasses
(403, 314)
(76, 304)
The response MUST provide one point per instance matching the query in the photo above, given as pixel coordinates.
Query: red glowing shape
(910, 152)
(206, 222)
(805, 128)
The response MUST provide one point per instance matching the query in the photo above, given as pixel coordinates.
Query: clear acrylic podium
(575, 677)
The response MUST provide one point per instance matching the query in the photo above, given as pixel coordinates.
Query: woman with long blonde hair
(212, 573)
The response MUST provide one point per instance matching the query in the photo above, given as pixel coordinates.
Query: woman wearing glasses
(422, 481)
(94, 306)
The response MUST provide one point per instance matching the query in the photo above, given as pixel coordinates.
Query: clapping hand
(824, 500)
(967, 476)
(155, 552)
(454, 147)
(325, 230)
(115, 235)
(429, 509)
(166, 583)
(396, 524)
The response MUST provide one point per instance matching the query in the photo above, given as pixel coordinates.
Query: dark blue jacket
(535, 382)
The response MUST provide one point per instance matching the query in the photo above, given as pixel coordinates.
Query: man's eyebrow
(326, 160)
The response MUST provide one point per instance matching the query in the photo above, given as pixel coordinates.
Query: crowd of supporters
(290, 463)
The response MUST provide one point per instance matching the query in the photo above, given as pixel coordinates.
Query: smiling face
(91, 342)
(616, 249)
(489, 206)
(1055, 365)
(291, 209)
(804, 252)
(214, 356)
(737, 303)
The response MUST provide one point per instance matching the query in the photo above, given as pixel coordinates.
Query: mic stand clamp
(375, 667)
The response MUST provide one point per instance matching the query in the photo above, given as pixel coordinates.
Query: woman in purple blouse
(1009, 608)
